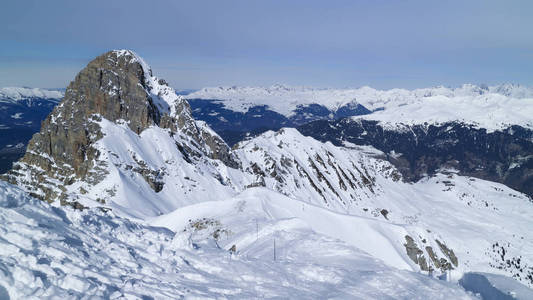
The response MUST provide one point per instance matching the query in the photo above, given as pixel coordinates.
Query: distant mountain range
(21, 112)
(286, 99)
(253, 108)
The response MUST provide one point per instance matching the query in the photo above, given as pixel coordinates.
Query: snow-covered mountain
(493, 107)
(285, 99)
(278, 215)
(112, 101)
(13, 94)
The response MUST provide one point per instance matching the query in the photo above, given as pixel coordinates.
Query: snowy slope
(491, 286)
(468, 215)
(257, 208)
(492, 107)
(56, 252)
(127, 156)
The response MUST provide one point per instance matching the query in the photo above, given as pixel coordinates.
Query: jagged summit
(119, 87)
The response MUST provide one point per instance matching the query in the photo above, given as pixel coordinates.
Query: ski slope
(55, 252)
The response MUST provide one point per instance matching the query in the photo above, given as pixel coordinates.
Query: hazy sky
(193, 44)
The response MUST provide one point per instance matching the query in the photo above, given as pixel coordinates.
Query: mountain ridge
(506, 98)
(19, 93)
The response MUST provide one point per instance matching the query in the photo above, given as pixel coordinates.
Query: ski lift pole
(274, 249)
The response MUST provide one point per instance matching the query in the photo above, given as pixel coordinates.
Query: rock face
(417, 150)
(322, 174)
(116, 86)
(429, 261)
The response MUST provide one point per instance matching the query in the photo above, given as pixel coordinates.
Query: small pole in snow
(274, 249)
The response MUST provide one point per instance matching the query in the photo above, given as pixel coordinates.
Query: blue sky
(192, 44)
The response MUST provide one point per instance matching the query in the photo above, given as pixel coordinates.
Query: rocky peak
(117, 86)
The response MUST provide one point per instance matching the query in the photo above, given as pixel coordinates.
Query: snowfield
(55, 252)
(489, 111)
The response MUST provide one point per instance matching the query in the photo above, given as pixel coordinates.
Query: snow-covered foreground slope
(476, 219)
(491, 286)
(494, 107)
(437, 223)
(47, 251)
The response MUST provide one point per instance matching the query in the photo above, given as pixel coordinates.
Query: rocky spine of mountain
(504, 156)
(119, 87)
